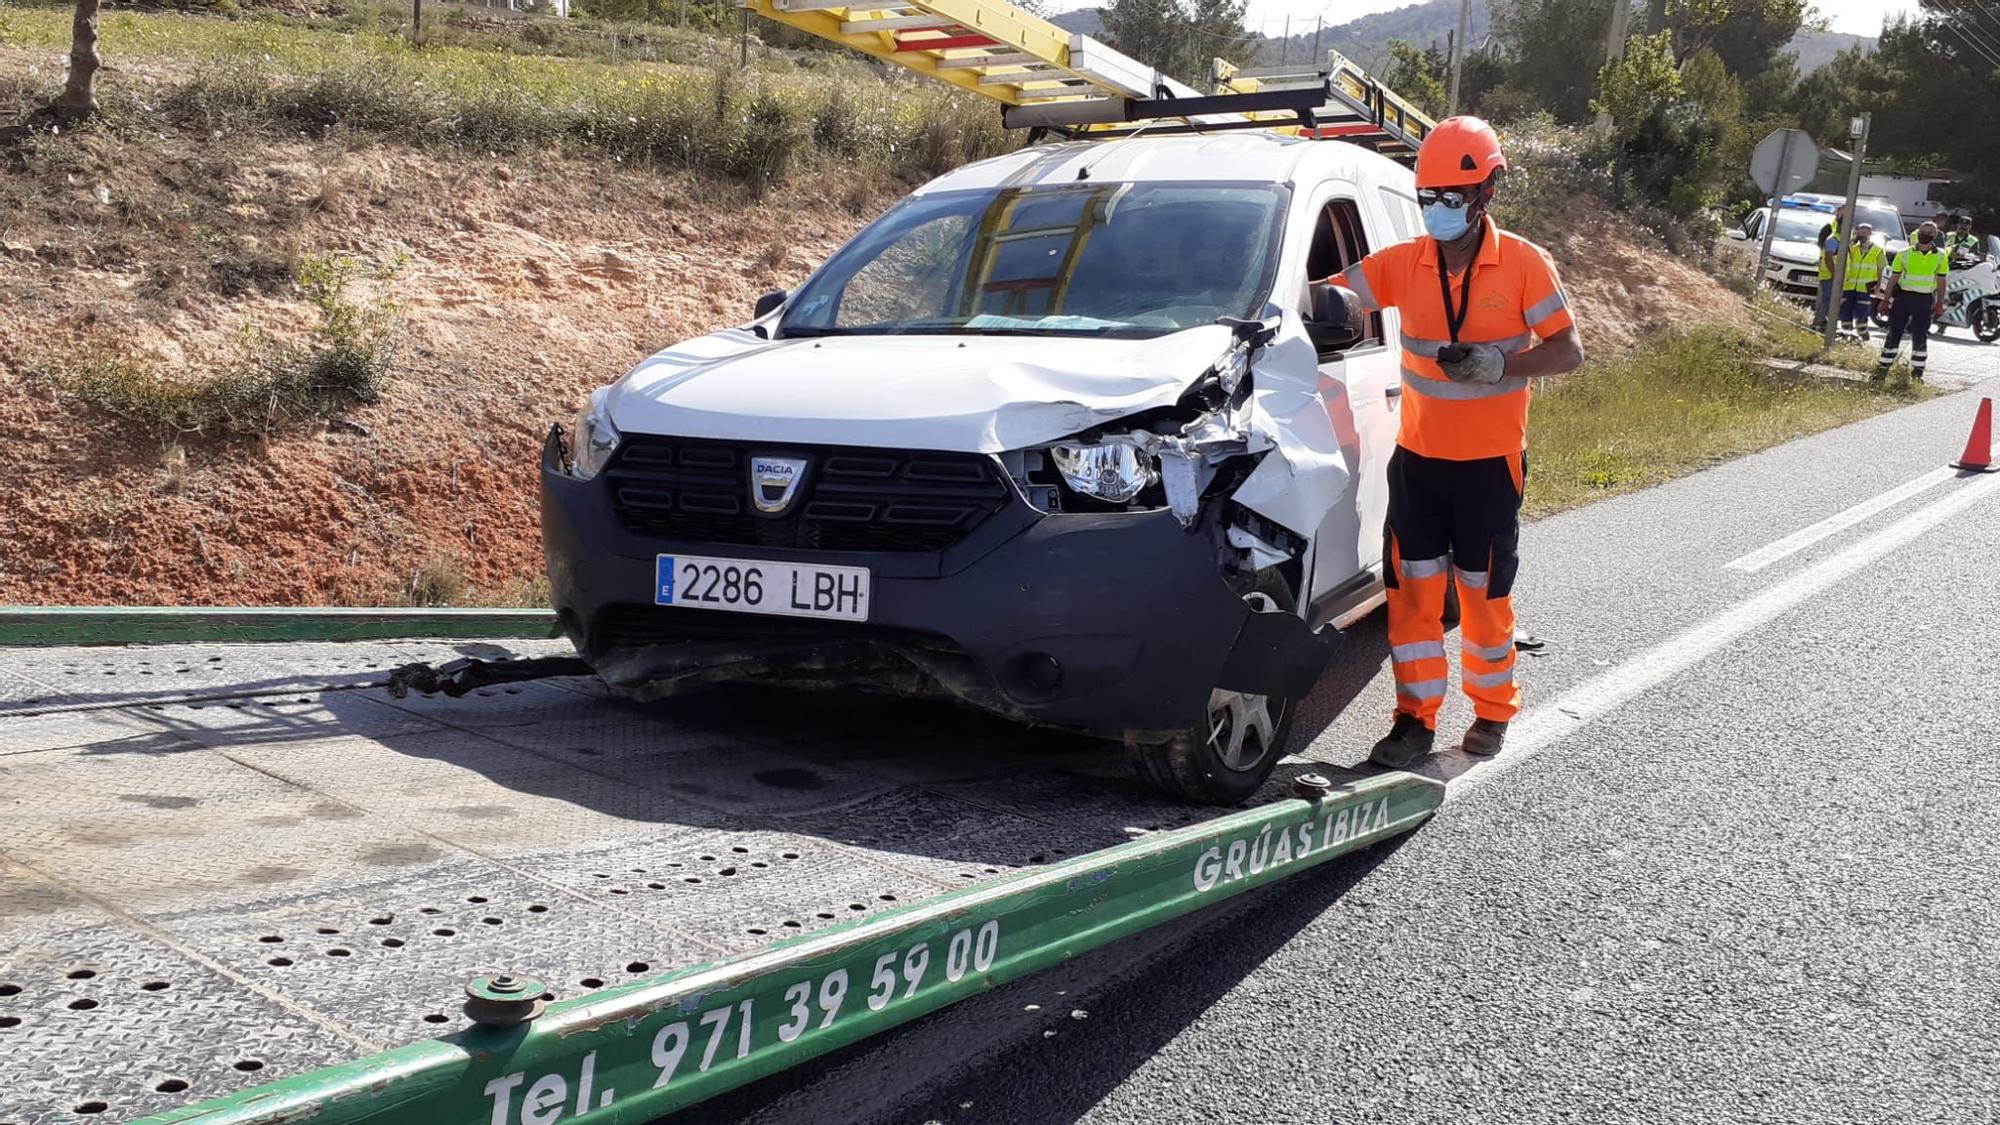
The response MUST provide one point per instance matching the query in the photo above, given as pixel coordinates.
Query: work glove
(1473, 363)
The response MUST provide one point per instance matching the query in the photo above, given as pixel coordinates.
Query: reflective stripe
(1445, 388)
(1356, 279)
(1428, 349)
(1423, 568)
(1422, 689)
(1919, 271)
(1545, 308)
(1416, 650)
(1492, 654)
(1490, 679)
(1473, 578)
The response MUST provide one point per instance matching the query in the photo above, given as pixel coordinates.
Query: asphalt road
(1738, 866)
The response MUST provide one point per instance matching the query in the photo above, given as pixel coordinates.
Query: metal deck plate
(314, 869)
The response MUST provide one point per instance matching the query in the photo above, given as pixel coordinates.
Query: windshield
(1801, 226)
(1887, 223)
(1804, 226)
(1091, 259)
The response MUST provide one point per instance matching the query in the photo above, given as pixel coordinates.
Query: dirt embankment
(1626, 288)
(523, 283)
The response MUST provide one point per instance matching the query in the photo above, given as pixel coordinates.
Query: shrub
(273, 387)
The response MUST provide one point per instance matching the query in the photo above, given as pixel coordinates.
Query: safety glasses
(1453, 198)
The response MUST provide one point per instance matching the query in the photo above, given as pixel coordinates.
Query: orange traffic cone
(1978, 455)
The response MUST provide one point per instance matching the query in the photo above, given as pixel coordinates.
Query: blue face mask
(1447, 224)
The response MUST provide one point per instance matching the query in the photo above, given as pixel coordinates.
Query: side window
(1403, 213)
(1339, 241)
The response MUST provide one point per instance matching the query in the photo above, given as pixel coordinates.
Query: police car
(1794, 263)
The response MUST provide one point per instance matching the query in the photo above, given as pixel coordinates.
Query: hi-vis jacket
(1512, 296)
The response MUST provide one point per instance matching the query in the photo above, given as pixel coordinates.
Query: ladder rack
(1049, 79)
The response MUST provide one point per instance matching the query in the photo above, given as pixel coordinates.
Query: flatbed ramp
(226, 865)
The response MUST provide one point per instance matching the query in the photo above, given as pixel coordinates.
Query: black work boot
(1407, 743)
(1484, 738)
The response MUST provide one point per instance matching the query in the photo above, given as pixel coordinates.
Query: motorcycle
(1972, 297)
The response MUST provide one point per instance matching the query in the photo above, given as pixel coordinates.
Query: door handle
(1392, 393)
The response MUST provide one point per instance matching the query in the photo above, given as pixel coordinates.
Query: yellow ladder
(1051, 78)
(986, 47)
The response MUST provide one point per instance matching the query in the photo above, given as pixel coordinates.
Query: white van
(1058, 436)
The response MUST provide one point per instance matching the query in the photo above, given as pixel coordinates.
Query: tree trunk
(79, 96)
(1656, 17)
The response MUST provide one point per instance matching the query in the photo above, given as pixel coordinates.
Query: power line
(1977, 49)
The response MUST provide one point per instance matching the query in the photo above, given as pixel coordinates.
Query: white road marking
(1799, 540)
(1546, 725)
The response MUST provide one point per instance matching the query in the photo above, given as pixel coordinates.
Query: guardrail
(633, 1053)
(133, 625)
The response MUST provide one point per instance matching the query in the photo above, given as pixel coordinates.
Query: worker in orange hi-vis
(1483, 312)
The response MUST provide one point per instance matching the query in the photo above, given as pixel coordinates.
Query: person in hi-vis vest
(1918, 277)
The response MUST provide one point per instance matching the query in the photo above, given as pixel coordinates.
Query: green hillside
(1366, 39)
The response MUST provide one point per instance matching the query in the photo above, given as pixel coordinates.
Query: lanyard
(1454, 318)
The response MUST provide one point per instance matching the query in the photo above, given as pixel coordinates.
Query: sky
(1857, 17)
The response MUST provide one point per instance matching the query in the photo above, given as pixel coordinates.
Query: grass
(287, 77)
(273, 387)
(1678, 405)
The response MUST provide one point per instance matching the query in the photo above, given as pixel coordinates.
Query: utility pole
(743, 43)
(1458, 54)
(1858, 130)
(1621, 15)
(1285, 44)
(1318, 23)
(1656, 17)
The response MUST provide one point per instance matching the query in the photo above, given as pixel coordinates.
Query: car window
(1339, 241)
(1119, 259)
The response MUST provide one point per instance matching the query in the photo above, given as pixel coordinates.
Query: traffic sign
(1785, 161)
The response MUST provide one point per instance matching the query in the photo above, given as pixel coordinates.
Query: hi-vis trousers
(1466, 515)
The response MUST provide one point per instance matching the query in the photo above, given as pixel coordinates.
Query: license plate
(758, 586)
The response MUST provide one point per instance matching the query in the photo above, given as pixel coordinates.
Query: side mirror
(769, 303)
(1326, 322)
(1739, 235)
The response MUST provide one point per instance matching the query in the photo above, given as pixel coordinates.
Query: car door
(1361, 384)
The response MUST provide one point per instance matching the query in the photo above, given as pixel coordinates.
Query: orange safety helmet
(1460, 151)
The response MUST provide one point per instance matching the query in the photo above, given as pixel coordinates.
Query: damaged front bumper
(1115, 624)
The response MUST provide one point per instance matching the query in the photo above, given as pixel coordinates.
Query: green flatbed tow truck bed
(226, 867)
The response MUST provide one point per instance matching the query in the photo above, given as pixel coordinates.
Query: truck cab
(1060, 436)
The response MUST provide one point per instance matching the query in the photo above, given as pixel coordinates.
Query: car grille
(848, 499)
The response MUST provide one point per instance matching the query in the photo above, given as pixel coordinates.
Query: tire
(1226, 761)
(1986, 323)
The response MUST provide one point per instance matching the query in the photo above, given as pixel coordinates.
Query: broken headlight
(1115, 472)
(592, 438)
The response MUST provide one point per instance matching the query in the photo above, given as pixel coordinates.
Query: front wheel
(1227, 759)
(1986, 322)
